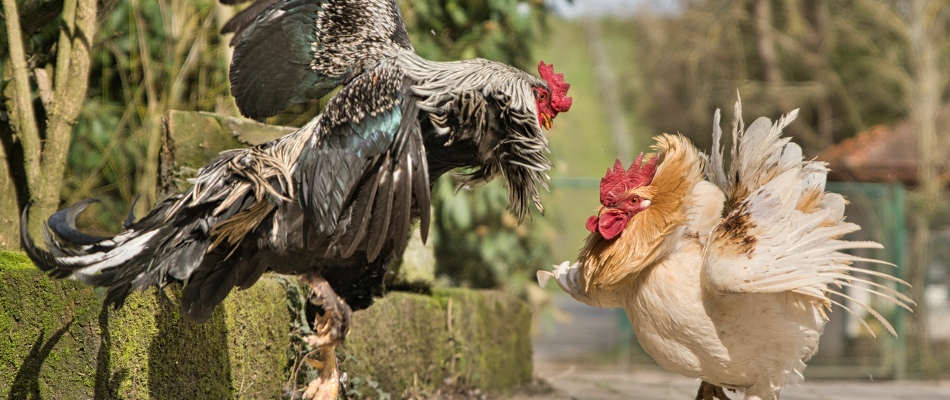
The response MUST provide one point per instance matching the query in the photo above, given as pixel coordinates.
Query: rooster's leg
(330, 330)
(708, 391)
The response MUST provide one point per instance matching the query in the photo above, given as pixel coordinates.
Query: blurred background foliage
(150, 57)
(847, 64)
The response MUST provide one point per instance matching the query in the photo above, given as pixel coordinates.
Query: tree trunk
(923, 101)
(44, 157)
(9, 238)
(765, 46)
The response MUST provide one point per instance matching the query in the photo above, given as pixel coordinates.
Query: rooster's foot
(327, 385)
(330, 330)
(708, 391)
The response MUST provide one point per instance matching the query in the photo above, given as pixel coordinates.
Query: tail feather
(206, 287)
(43, 259)
(147, 254)
(402, 201)
(383, 209)
(212, 237)
(130, 219)
(783, 232)
(63, 222)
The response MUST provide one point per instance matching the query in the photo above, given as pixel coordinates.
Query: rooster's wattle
(726, 277)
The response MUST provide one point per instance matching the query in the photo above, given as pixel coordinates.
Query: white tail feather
(797, 250)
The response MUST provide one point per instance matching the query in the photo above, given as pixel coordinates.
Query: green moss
(399, 340)
(408, 342)
(491, 334)
(259, 353)
(51, 347)
(127, 334)
(15, 260)
(239, 352)
(63, 345)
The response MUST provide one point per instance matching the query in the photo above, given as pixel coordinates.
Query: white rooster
(728, 279)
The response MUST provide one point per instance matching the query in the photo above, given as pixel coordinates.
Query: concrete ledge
(63, 345)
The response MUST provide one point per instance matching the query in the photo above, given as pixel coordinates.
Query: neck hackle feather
(608, 264)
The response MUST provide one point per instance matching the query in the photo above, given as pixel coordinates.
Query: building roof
(884, 153)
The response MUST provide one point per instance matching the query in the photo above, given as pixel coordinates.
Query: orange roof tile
(880, 154)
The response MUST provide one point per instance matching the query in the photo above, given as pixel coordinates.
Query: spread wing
(783, 232)
(291, 51)
(358, 180)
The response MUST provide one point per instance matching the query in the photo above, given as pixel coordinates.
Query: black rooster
(334, 200)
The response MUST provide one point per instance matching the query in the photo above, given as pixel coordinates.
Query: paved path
(578, 364)
(577, 381)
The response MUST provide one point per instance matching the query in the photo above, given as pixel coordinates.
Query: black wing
(358, 182)
(291, 51)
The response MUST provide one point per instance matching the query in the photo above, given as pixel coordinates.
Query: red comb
(615, 183)
(559, 100)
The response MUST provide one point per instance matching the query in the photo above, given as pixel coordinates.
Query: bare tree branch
(69, 87)
(765, 45)
(24, 122)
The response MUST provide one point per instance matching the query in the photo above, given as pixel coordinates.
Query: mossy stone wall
(64, 345)
(47, 346)
(411, 343)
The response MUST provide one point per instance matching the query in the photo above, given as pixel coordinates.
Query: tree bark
(69, 88)
(20, 104)
(44, 156)
(9, 239)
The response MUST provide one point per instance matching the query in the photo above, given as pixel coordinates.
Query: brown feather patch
(734, 231)
(234, 229)
(810, 201)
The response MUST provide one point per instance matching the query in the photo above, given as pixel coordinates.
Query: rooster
(334, 200)
(725, 277)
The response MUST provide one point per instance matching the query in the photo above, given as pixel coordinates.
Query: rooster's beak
(546, 121)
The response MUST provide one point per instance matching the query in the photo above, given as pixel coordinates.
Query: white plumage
(728, 281)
